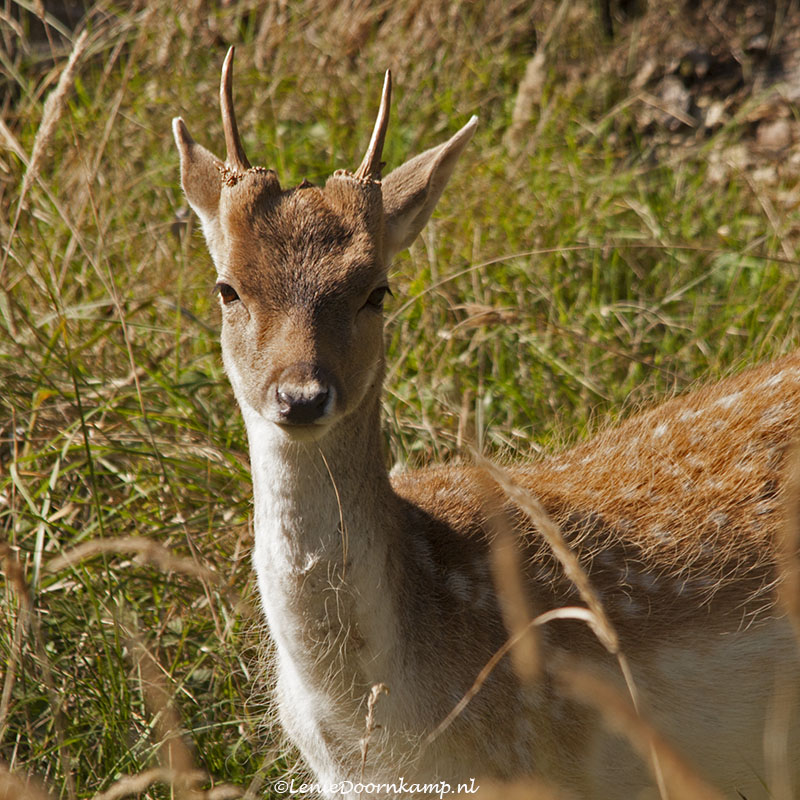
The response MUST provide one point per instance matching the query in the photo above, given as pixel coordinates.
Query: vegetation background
(624, 224)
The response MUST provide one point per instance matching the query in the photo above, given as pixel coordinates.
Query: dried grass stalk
(53, 109)
(174, 753)
(534, 510)
(596, 618)
(17, 787)
(136, 784)
(679, 779)
(529, 93)
(15, 578)
(27, 623)
(150, 551)
(784, 701)
(523, 789)
(558, 613)
(789, 544)
(177, 762)
(369, 724)
(510, 588)
(777, 737)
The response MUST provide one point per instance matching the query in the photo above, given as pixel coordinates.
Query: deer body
(368, 581)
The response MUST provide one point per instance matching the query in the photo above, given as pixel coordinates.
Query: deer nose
(301, 408)
(302, 399)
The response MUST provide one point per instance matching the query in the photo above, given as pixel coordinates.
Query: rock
(774, 134)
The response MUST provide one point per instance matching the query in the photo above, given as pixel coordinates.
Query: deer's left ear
(411, 191)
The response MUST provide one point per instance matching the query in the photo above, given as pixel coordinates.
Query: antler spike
(371, 165)
(236, 157)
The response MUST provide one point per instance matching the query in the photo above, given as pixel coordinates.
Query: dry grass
(675, 776)
(577, 276)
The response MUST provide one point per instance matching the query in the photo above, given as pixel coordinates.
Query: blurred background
(624, 224)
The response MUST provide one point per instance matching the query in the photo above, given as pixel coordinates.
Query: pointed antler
(370, 168)
(236, 157)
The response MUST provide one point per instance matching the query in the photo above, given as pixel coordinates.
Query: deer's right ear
(201, 178)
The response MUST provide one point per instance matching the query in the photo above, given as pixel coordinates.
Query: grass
(559, 286)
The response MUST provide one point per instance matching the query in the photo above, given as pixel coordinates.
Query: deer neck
(308, 494)
(319, 507)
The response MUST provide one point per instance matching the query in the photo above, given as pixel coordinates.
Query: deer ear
(201, 178)
(411, 191)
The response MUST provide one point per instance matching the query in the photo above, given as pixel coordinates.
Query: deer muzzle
(304, 395)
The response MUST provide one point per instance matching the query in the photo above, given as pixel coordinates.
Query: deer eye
(227, 293)
(376, 298)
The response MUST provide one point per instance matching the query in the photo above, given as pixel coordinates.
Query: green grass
(610, 272)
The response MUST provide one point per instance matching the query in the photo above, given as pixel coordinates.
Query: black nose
(302, 406)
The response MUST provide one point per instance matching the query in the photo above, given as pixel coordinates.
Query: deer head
(302, 272)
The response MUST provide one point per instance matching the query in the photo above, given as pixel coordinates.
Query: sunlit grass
(575, 281)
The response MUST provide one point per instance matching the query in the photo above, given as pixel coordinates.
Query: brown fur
(668, 521)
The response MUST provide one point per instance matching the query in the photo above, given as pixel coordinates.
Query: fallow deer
(366, 579)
